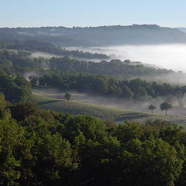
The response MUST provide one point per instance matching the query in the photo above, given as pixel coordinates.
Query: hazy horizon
(93, 26)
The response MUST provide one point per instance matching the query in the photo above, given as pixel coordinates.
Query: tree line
(41, 46)
(22, 61)
(106, 86)
(15, 88)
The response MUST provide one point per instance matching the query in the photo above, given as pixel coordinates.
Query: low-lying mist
(140, 106)
(42, 54)
(158, 56)
(48, 56)
(171, 56)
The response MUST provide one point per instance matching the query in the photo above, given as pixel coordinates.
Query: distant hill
(98, 36)
(182, 29)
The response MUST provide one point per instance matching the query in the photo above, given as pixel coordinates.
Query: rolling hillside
(183, 29)
(98, 36)
(48, 101)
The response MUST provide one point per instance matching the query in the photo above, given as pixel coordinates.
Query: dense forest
(104, 86)
(118, 69)
(47, 148)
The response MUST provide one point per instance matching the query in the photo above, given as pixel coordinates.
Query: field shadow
(132, 116)
(48, 102)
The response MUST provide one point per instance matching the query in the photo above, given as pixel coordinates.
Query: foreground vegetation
(48, 148)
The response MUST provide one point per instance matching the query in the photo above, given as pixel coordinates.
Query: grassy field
(54, 101)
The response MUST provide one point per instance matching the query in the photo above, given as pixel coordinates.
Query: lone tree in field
(68, 96)
(166, 106)
(152, 107)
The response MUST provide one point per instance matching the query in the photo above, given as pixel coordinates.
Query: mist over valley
(171, 56)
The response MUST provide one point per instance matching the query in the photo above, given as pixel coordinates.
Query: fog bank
(171, 56)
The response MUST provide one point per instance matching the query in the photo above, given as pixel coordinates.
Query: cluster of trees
(47, 148)
(164, 106)
(16, 88)
(115, 68)
(106, 86)
(7, 43)
(21, 61)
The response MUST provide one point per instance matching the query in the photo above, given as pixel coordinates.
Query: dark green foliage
(15, 89)
(68, 96)
(21, 111)
(106, 86)
(166, 106)
(152, 107)
(21, 61)
(128, 94)
(47, 148)
(36, 45)
(115, 68)
(4, 110)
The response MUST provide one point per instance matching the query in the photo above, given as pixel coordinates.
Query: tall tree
(68, 96)
(152, 107)
(166, 106)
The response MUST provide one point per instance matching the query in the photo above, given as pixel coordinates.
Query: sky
(36, 13)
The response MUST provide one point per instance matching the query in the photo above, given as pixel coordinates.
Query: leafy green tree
(152, 107)
(33, 80)
(149, 162)
(4, 110)
(128, 131)
(11, 135)
(15, 89)
(99, 85)
(127, 93)
(166, 106)
(22, 110)
(2, 101)
(68, 96)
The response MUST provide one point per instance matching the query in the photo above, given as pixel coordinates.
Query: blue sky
(28, 13)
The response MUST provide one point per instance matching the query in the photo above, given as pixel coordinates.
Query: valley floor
(54, 100)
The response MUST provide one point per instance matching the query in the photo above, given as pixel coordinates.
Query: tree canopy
(68, 96)
(48, 148)
(152, 107)
(166, 106)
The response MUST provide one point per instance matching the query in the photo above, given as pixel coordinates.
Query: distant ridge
(183, 29)
(98, 36)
